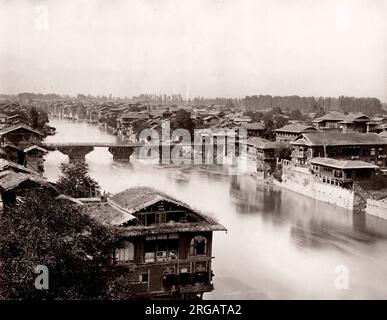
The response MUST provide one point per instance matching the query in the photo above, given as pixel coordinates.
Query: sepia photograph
(210, 151)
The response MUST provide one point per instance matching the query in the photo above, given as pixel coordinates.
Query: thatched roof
(107, 214)
(120, 209)
(171, 227)
(134, 199)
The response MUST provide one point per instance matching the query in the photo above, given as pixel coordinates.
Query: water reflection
(279, 244)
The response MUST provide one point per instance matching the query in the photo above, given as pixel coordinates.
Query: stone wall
(377, 208)
(300, 180)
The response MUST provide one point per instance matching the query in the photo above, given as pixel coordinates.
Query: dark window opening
(144, 277)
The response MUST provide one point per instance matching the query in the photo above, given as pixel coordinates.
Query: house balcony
(197, 288)
(168, 259)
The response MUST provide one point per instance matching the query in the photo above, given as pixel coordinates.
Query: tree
(182, 120)
(269, 133)
(55, 233)
(255, 116)
(75, 181)
(320, 113)
(34, 117)
(296, 115)
(280, 122)
(42, 119)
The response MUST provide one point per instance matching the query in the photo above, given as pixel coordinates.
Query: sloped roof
(35, 147)
(341, 117)
(17, 127)
(331, 116)
(343, 164)
(242, 119)
(134, 199)
(108, 214)
(17, 115)
(10, 180)
(337, 139)
(253, 126)
(9, 165)
(296, 128)
(355, 117)
(261, 143)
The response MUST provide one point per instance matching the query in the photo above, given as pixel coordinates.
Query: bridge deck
(107, 144)
(88, 144)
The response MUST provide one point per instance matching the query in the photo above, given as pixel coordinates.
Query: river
(279, 244)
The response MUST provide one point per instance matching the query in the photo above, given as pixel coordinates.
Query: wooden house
(292, 131)
(342, 173)
(168, 245)
(368, 147)
(20, 136)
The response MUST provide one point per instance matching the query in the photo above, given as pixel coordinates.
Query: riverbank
(279, 244)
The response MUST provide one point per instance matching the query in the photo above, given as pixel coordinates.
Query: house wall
(300, 180)
(157, 270)
(285, 136)
(375, 154)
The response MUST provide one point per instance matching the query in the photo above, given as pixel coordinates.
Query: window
(144, 277)
(198, 246)
(161, 250)
(372, 151)
(126, 254)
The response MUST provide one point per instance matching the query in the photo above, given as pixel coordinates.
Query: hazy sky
(196, 47)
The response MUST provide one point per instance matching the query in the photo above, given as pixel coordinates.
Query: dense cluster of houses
(167, 249)
(355, 136)
(168, 244)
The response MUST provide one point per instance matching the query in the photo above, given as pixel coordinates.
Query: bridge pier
(121, 153)
(76, 154)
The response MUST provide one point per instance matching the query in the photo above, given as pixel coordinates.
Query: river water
(279, 244)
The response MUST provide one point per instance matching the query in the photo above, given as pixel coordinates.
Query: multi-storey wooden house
(368, 147)
(168, 245)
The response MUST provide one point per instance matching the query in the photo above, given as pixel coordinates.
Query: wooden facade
(368, 147)
(167, 251)
(342, 173)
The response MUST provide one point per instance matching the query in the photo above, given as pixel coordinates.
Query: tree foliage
(273, 122)
(139, 126)
(182, 120)
(55, 233)
(367, 105)
(76, 182)
(38, 118)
